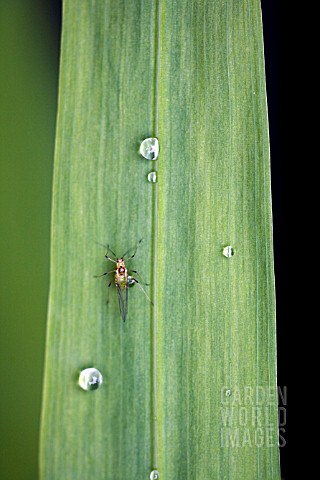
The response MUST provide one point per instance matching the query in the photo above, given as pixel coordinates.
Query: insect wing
(123, 301)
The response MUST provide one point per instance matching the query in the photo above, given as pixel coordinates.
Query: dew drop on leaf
(90, 379)
(228, 251)
(149, 148)
(154, 475)
(152, 177)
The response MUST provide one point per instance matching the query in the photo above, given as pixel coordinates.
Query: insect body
(122, 280)
(121, 276)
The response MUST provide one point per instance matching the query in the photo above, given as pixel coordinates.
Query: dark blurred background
(29, 58)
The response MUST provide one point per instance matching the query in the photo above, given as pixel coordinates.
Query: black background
(276, 64)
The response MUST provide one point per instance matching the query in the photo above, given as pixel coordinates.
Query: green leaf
(214, 316)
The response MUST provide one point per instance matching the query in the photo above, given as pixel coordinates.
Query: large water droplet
(152, 177)
(154, 475)
(131, 281)
(228, 251)
(149, 148)
(90, 379)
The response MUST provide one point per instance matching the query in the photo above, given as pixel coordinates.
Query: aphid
(123, 279)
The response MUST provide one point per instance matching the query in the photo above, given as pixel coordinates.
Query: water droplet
(152, 177)
(90, 379)
(149, 148)
(154, 475)
(228, 392)
(131, 281)
(228, 251)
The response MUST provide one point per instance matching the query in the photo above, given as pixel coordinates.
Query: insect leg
(108, 292)
(108, 250)
(105, 273)
(141, 279)
(136, 281)
(109, 258)
(131, 256)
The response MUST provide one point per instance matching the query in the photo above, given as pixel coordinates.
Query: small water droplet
(131, 281)
(228, 392)
(152, 177)
(149, 148)
(90, 379)
(154, 475)
(228, 251)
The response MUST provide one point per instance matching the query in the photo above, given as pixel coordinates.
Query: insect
(123, 278)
